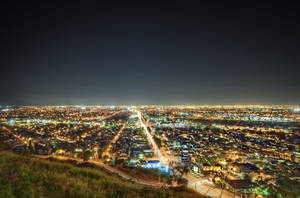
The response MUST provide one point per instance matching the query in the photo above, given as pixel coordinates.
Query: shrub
(22, 176)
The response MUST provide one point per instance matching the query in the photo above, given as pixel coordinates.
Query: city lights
(224, 147)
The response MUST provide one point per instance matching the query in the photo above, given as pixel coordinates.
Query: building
(184, 157)
(153, 164)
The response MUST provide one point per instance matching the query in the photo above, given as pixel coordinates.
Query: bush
(22, 176)
(288, 188)
(182, 181)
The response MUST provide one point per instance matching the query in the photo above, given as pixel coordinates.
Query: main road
(113, 141)
(200, 184)
(149, 136)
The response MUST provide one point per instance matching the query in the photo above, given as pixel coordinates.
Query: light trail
(155, 147)
(198, 184)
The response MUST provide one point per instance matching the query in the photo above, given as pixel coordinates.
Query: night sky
(139, 53)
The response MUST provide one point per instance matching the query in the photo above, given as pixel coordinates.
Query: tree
(87, 154)
(157, 141)
(288, 188)
(182, 181)
(169, 179)
(186, 169)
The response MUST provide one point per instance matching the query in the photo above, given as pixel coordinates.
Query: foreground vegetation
(22, 176)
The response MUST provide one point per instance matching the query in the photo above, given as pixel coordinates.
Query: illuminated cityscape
(219, 151)
(146, 99)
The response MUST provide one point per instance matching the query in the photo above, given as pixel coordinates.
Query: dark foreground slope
(22, 176)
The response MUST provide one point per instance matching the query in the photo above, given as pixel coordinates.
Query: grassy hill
(22, 176)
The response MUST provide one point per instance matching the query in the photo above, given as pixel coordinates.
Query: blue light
(11, 122)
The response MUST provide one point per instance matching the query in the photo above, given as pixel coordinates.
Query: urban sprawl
(219, 151)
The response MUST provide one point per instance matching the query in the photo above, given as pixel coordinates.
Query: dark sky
(147, 53)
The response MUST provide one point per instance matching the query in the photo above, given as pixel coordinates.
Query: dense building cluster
(68, 131)
(243, 149)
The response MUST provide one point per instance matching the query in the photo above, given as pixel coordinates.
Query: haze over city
(147, 100)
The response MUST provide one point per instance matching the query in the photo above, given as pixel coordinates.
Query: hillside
(22, 176)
